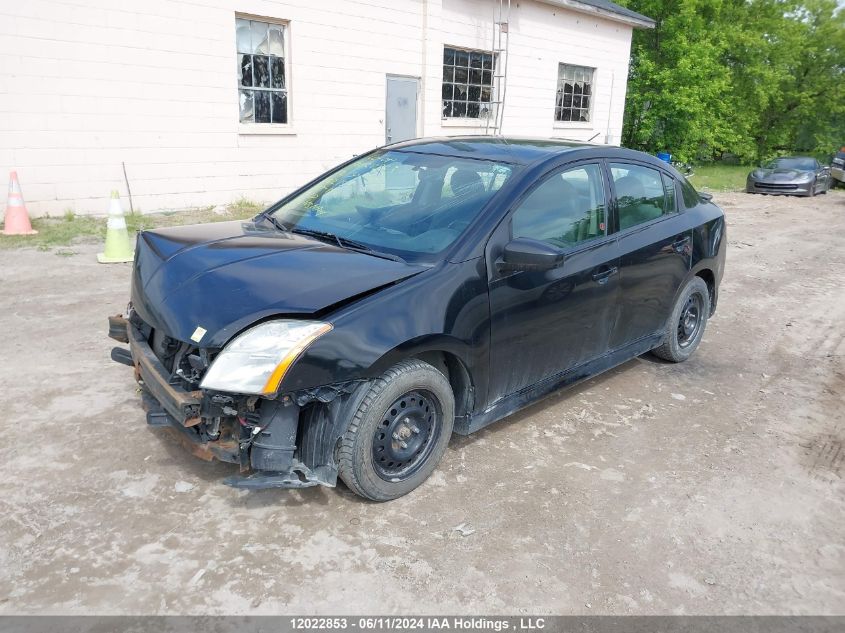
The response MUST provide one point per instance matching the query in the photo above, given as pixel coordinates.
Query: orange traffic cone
(17, 219)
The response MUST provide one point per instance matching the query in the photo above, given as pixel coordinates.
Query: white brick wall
(88, 84)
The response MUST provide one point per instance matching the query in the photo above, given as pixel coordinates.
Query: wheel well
(456, 372)
(710, 279)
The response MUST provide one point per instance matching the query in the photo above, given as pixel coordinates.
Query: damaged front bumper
(285, 442)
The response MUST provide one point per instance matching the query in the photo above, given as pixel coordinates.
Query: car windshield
(408, 204)
(806, 164)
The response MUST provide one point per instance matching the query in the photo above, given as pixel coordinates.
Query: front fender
(444, 309)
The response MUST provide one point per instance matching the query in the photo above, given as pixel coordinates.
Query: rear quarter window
(689, 194)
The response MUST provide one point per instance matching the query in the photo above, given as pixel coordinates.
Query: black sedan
(425, 288)
(790, 175)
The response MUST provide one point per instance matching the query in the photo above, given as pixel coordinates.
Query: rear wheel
(399, 433)
(687, 322)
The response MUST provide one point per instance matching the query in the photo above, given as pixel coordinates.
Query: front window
(262, 84)
(565, 210)
(405, 203)
(467, 83)
(574, 93)
(803, 164)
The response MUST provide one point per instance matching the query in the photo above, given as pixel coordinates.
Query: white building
(206, 101)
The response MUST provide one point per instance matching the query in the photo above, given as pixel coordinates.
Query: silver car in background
(837, 167)
(790, 175)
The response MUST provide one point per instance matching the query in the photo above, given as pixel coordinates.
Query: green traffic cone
(118, 247)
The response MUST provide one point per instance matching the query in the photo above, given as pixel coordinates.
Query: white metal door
(401, 109)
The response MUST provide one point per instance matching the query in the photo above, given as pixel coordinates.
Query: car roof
(514, 150)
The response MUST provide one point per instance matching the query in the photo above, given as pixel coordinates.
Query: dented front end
(278, 440)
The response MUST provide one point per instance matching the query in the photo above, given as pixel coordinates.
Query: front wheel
(399, 433)
(687, 322)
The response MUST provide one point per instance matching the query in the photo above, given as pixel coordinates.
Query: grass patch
(720, 177)
(71, 228)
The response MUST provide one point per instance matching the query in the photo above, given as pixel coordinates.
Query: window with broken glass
(574, 93)
(262, 84)
(467, 83)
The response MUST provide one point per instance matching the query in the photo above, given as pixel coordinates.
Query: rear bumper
(838, 173)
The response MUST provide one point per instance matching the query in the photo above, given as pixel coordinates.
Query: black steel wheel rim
(406, 435)
(689, 325)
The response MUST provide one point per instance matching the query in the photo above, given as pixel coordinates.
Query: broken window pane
(262, 106)
(277, 40)
(262, 94)
(572, 100)
(277, 72)
(259, 37)
(245, 63)
(261, 71)
(243, 36)
(246, 104)
(467, 82)
(280, 107)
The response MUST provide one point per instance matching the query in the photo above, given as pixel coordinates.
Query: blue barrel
(666, 157)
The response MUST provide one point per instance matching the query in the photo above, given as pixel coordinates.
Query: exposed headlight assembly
(255, 361)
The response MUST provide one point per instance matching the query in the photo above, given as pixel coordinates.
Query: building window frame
(470, 87)
(276, 69)
(570, 108)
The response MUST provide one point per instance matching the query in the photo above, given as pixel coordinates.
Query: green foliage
(750, 78)
(720, 177)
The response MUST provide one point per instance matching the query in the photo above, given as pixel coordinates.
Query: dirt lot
(710, 487)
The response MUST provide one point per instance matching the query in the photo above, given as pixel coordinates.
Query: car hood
(225, 276)
(781, 175)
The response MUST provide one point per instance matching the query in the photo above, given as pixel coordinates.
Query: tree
(746, 77)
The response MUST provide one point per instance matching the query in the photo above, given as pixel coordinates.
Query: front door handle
(680, 244)
(601, 276)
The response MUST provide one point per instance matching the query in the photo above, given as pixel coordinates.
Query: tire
(682, 339)
(410, 395)
(812, 192)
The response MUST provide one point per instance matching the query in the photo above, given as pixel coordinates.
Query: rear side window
(640, 193)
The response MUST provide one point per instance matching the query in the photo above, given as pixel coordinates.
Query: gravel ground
(711, 487)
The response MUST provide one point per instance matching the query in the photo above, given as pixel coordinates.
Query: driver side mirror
(525, 253)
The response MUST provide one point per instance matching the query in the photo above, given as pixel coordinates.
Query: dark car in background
(428, 287)
(790, 175)
(837, 167)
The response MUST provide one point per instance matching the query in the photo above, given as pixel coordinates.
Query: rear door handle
(680, 243)
(603, 275)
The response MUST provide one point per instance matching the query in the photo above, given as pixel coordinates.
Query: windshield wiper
(275, 222)
(348, 244)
